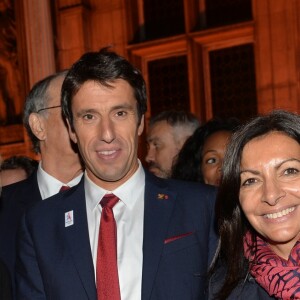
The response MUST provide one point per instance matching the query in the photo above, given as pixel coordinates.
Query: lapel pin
(162, 197)
(69, 218)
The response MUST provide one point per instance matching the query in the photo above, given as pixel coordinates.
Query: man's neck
(63, 170)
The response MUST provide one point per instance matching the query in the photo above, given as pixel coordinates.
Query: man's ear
(71, 133)
(141, 126)
(37, 125)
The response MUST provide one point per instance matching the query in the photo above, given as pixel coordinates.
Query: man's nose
(150, 155)
(107, 130)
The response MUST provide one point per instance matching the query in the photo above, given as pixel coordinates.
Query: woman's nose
(272, 192)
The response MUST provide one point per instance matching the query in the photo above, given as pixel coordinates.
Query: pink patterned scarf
(280, 278)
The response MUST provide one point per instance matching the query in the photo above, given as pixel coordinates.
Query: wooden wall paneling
(298, 53)
(15, 149)
(22, 50)
(134, 11)
(204, 52)
(132, 20)
(211, 40)
(69, 3)
(276, 54)
(287, 96)
(230, 35)
(26, 147)
(284, 52)
(141, 64)
(196, 81)
(140, 55)
(192, 14)
(143, 53)
(36, 61)
(39, 39)
(40, 50)
(73, 34)
(108, 25)
(39, 43)
(40, 62)
(263, 56)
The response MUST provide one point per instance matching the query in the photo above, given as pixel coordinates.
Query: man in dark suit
(160, 233)
(167, 133)
(5, 283)
(60, 163)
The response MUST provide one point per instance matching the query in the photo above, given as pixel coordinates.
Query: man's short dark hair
(103, 67)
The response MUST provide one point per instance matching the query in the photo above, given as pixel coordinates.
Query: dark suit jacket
(55, 262)
(15, 199)
(5, 283)
(247, 288)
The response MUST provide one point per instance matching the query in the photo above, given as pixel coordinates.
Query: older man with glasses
(59, 168)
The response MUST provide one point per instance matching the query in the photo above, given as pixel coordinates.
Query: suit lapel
(77, 238)
(159, 204)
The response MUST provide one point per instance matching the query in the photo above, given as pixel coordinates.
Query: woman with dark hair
(201, 157)
(258, 211)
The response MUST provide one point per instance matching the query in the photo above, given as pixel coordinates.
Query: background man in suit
(165, 233)
(167, 133)
(59, 165)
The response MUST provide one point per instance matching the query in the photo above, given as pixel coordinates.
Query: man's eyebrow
(123, 106)
(85, 111)
(153, 139)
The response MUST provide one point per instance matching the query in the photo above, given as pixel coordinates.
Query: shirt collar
(125, 192)
(49, 185)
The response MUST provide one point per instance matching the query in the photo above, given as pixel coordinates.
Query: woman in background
(201, 157)
(258, 210)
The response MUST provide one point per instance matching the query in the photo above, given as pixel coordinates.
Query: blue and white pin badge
(69, 218)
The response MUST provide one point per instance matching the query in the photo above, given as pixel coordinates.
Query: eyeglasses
(47, 108)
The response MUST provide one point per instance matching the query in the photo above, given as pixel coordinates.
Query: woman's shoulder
(247, 288)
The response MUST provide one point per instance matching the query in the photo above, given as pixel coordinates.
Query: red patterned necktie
(107, 267)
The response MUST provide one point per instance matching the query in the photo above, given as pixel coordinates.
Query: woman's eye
(291, 171)
(248, 181)
(211, 161)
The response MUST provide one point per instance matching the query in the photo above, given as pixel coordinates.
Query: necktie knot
(64, 188)
(109, 201)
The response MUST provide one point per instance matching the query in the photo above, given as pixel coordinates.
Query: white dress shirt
(49, 185)
(129, 216)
